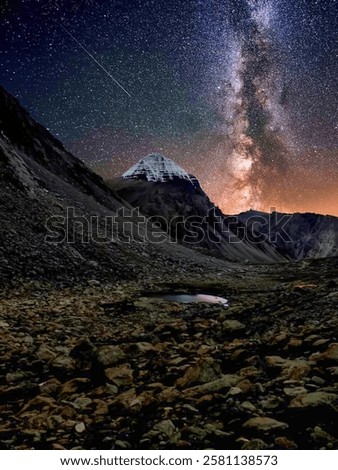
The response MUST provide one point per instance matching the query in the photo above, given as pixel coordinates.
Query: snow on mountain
(157, 168)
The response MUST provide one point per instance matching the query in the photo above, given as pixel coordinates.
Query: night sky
(241, 93)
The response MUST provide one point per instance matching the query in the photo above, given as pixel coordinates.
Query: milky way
(241, 93)
(253, 108)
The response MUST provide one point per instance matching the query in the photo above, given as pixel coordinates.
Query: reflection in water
(187, 299)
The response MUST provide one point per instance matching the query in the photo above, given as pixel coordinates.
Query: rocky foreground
(113, 366)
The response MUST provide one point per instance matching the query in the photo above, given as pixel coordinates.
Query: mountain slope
(40, 179)
(166, 193)
(297, 236)
(54, 213)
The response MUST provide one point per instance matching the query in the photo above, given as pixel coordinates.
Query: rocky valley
(93, 356)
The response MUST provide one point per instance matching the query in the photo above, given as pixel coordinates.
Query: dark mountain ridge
(183, 210)
(296, 236)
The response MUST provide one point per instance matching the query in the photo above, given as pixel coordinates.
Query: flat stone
(224, 383)
(276, 361)
(248, 406)
(232, 326)
(204, 371)
(317, 380)
(320, 342)
(109, 355)
(45, 354)
(263, 423)
(291, 368)
(294, 391)
(165, 427)
(64, 363)
(295, 343)
(93, 282)
(234, 391)
(19, 376)
(120, 375)
(82, 402)
(315, 399)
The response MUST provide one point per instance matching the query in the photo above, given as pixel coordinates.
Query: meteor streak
(95, 60)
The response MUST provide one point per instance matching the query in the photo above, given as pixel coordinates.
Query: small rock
(320, 342)
(93, 264)
(109, 355)
(294, 343)
(320, 436)
(81, 403)
(248, 406)
(93, 282)
(271, 403)
(19, 376)
(166, 427)
(50, 386)
(333, 370)
(317, 380)
(234, 391)
(122, 444)
(45, 354)
(329, 356)
(263, 423)
(64, 363)
(80, 427)
(294, 391)
(225, 382)
(255, 444)
(204, 371)
(232, 326)
(285, 443)
(291, 369)
(73, 386)
(246, 386)
(120, 375)
(57, 446)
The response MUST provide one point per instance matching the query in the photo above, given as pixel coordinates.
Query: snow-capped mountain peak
(157, 168)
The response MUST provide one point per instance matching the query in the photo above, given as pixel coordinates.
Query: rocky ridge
(296, 236)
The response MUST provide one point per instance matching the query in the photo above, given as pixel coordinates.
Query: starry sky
(240, 93)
